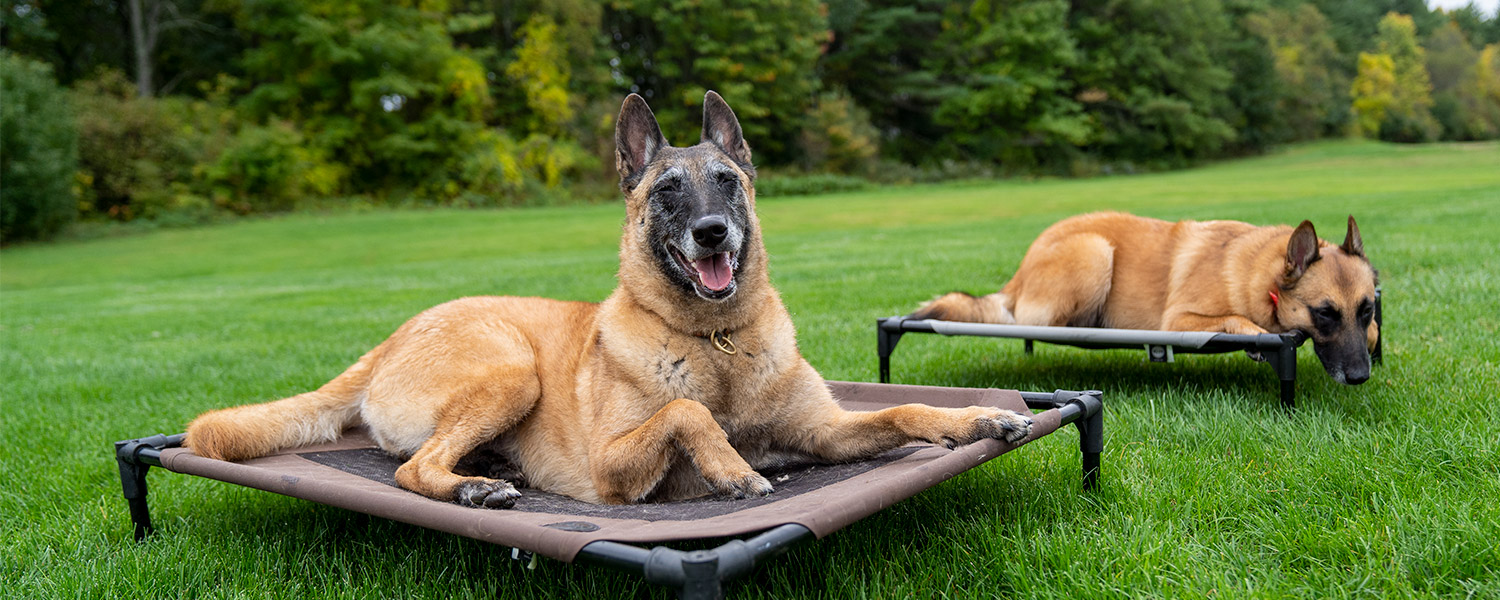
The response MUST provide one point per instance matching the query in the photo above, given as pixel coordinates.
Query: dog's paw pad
(490, 493)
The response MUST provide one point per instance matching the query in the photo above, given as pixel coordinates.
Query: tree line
(181, 110)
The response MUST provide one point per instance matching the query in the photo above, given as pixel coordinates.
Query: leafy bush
(838, 137)
(269, 169)
(38, 151)
(134, 157)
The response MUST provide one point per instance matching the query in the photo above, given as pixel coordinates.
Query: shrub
(38, 151)
(838, 136)
(135, 157)
(268, 169)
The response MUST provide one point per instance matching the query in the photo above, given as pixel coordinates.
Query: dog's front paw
(1255, 355)
(995, 423)
(743, 485)
(487, 493)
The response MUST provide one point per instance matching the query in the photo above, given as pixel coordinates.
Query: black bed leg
(1091, 443)
(701, 581)
(136, 458)
(885, 344)
(133, 482)
(1284, 363)
(1090, 432)
(1028, 347)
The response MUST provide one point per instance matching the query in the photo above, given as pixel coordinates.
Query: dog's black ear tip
(711, 95)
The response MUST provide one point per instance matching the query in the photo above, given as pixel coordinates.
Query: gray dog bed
(1279, 349)
(808, 501)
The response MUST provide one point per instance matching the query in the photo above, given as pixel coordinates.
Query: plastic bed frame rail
(1278, 349)
(695, 575)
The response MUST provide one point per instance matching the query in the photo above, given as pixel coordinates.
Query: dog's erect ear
(637, 139)
(1301, 250)
(1353, 245)
(722, 129)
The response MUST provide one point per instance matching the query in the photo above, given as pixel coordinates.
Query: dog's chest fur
(735, 387)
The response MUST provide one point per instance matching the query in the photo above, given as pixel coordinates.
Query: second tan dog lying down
(1117, 270)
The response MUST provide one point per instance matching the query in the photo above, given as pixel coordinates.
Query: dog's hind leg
(629, 467)
(1064, 283)
(475, 413)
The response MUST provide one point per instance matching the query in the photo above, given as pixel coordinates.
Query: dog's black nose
(709, 231)
(1356, 376)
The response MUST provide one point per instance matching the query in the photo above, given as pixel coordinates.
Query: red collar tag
(1275, 300)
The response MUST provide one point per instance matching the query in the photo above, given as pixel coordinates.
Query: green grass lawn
(1390, 489)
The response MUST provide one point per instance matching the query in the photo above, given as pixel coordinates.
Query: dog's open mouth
(712, 274)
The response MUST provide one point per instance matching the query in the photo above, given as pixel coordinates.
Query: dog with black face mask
(682, 383)
(1117, 270)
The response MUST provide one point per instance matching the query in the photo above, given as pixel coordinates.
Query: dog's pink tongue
(714, 271)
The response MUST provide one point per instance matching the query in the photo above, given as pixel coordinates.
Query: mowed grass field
(1210, 489)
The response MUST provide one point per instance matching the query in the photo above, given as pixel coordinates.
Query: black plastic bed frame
(695, 575)
(1278, 349)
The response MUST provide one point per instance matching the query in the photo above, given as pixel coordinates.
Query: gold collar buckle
(723, 343)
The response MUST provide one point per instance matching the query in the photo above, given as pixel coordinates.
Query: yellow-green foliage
(541, 69)
(1373, 92)
(1408, 117)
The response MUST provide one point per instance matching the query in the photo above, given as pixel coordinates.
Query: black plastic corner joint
(135, 458)
(699, 574)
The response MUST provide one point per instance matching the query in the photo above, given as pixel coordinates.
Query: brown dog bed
(814, 500)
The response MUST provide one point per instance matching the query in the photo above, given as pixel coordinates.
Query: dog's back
(1111, 269)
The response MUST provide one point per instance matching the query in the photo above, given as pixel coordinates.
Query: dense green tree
(1006, 97)
(882, 53)
(382, 91)
(1253, 107)
(1355, 23)
(1479, 29)
(194, 43)
(1150, 76)
(1312, 98)
(759, 54)
(38, 151)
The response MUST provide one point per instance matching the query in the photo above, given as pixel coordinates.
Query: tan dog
(1129, 272)
(682, 383)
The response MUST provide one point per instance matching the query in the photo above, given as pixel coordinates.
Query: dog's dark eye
(1366, 312)
(1326, 313)
(727, 181)
(666, 187)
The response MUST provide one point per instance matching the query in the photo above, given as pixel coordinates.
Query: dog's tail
(253, 430)
(963, 306)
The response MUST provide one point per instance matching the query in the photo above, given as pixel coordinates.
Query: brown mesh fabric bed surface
(351, 473)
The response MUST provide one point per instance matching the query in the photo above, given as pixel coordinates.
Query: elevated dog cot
(808, 501)
(1279, 349)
